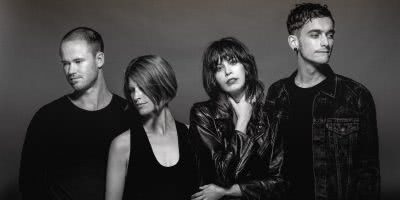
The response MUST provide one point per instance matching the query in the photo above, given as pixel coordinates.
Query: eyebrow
(320, 31)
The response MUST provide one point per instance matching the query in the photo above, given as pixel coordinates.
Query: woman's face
(231, 77)
(141, 101)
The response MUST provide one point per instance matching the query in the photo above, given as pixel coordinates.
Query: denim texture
(344, 136)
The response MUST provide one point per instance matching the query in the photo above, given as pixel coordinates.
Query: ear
(293, 42)
(99, 59)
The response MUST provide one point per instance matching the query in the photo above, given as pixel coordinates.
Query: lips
(231, 81)
(139, 104)
(73, 79)
(323, 51)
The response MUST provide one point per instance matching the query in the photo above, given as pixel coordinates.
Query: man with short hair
(328, 121)
(66, 146)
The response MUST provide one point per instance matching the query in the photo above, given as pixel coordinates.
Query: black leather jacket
(226, 156)
(344, 136)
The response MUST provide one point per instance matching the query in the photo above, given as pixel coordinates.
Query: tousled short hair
(156, 78)
(92, 37)
(304, 13)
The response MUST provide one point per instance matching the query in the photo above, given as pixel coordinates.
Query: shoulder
(276, 87)
(122, 143)
(279, 83)
(54, 107)
(352, 86)
(119, 101)
(202, 109)
(181, 126)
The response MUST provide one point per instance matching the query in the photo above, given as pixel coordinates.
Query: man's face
(81, 66)
(315, 41)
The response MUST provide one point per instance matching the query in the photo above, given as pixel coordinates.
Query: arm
(216, 155)
(368, 175)
(117, 166)
(32, 166)
(206, 140)
(273, 186)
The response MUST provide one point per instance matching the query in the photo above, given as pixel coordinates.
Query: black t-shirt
(66, 149)
(299, 141)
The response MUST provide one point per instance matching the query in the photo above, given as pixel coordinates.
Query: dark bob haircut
(229, 49)
(304, 13)
(156, 78)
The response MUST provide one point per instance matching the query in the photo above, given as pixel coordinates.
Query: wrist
(234, 191)
(241, 126)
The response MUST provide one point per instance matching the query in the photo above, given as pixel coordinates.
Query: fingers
(232, 101)
(204, 187)
(197, 195)
(197, 198)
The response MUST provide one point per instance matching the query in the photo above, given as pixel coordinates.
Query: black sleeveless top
(147, 179)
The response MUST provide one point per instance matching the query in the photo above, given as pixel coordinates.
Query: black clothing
(147, 179)
(66, 149)
(343, 132)
(298, 141)
(253, 160)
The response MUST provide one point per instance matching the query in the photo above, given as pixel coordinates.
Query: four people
(313, 136)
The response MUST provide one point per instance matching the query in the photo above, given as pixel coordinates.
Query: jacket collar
(329, 88)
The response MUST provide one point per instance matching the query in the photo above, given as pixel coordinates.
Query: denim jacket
(344, 136)
(253, 160)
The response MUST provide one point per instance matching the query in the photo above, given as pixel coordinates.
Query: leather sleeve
(222, 154)
(273, 186)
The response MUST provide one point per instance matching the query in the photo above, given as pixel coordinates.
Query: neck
(94, 98)
(238, 95)
(159, 123)
(308, 75)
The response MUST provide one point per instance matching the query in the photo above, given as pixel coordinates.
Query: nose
(70, 69)
(228, 70)
(324, 40)
(137, 94)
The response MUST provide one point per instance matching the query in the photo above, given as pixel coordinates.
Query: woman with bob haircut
(153, 159)
(238, 153)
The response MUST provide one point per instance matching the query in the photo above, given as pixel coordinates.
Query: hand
(209, 192)
(243, 110)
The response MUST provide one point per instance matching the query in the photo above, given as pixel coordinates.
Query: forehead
(75, 46)
(132, 83)
(323, 24)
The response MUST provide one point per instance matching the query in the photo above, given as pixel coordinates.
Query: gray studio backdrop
(366, 49)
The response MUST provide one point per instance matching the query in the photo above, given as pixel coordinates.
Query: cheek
(219, 78)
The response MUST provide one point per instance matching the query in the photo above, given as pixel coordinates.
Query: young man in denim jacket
(328, 121)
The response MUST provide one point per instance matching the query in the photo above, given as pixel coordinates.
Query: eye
(64, 64)
(330, 35)
(233, 61)
(314, 35)
(219, 67)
